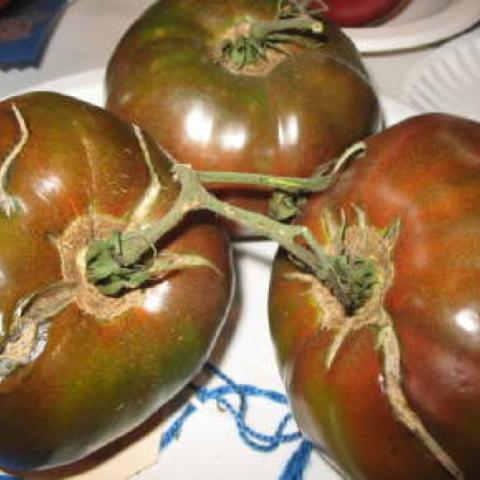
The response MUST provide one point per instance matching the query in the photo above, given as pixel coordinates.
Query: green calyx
(356, 277)
(261, 36)
(108, 270)
(351, 278)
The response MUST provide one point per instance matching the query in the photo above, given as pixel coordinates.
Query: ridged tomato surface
(424, 176)
(79, 369)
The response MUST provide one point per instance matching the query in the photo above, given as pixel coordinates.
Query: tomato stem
(320, 181)
(122, 253)
(316, 183)
(262, 30)
(194, 196)
(251, 47)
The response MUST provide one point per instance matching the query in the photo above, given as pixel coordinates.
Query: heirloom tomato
(356, 13)
(242, 86)
(392, 389)
(78, 368)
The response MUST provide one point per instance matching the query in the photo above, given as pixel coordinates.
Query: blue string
(255, 439)
(298, 462)
(174, 431)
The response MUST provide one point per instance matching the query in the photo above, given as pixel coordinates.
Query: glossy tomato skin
(101, 372)
(356, 13)
(426, 172)
(166, 76)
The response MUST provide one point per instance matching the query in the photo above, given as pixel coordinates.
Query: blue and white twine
(253, 438)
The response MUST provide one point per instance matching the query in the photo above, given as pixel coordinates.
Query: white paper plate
(209, 445)
(448, 80)
(420, 23)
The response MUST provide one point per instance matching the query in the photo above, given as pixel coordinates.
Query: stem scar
(27, 334)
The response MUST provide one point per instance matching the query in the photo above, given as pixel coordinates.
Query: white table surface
(88, 31)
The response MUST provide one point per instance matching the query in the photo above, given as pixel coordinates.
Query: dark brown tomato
(79, 369)
(340, 370)
(284, 116)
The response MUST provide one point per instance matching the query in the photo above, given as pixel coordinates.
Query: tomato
(77, 368)
(393, 388)
(284, 115)
(355, 13)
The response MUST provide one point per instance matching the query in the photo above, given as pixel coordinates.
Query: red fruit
(393, 389)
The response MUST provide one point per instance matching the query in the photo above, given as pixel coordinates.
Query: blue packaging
(25, 26)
